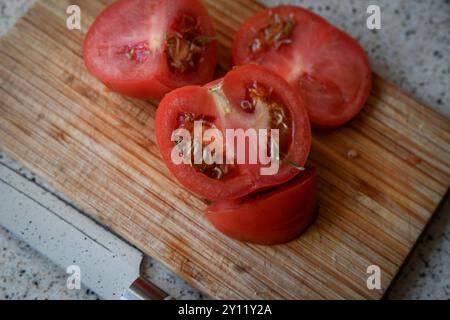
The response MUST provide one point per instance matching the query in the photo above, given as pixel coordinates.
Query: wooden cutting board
(380, 178)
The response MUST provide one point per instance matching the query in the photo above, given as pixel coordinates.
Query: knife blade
(107, 264)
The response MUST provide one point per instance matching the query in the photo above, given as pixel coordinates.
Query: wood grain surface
(380, 178)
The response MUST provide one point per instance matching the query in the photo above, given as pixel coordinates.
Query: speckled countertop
(412, 50)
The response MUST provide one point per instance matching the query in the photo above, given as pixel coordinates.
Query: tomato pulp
(249, 97)
(327, 67)
(272, 217)
(147, 48)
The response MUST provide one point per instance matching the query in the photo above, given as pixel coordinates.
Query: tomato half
(327, 67)
(272, 217)
(249, 97)
(147, 48)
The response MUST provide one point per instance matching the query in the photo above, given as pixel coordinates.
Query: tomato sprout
(247, 106)
(203, 40)
(259, 95)
(291, 163)
(215, 170)
(277, 33)
(185, 45)
(295, 165)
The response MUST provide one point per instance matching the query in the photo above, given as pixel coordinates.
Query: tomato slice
(249, 97)
(325, 66)
(272, 217)
(147, 48)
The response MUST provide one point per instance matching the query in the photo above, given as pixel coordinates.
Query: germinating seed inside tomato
(187, 121)
(185, 45)
(277, 33)
(247, 106)
(280, 119)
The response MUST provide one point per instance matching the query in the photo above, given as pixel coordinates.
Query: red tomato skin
(197, 100)
(281, 61)
(158, 80)
(275, 217)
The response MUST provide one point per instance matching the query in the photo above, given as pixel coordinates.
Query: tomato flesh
(147, 48)
(326, 67)
(272, 217)
(249, 97)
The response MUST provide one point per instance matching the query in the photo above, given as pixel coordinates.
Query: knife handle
(141, 289)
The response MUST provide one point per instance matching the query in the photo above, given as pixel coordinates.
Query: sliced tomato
(147, 48)
(327, 67)
(250, 97)
(272, 217)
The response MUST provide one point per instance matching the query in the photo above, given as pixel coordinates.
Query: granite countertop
(412, 50)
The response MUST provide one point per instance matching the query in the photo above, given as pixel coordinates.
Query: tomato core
(277, 33)
(185, 45)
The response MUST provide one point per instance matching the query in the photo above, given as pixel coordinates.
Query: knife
(107, 265)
